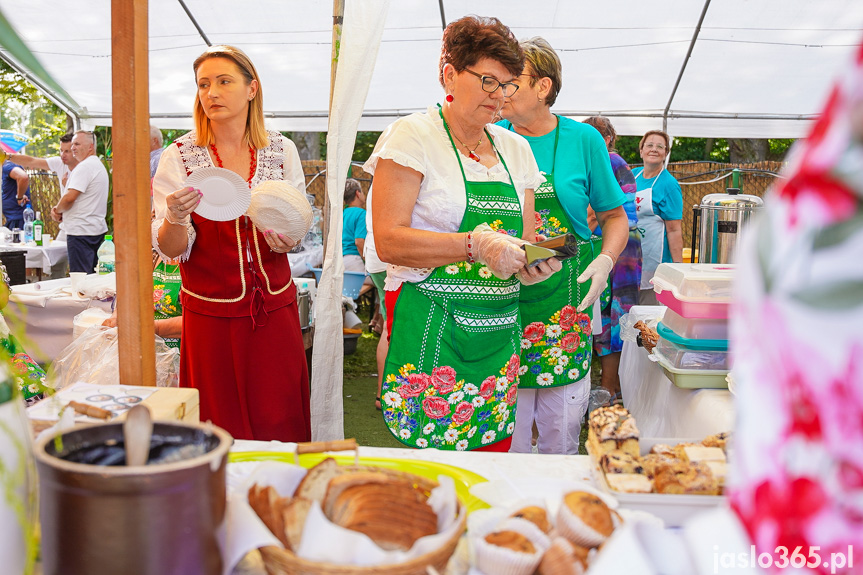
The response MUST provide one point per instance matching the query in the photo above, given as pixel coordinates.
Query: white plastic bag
(94, 358)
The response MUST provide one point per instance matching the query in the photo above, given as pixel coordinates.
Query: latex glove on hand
(597, 271)
(181, 204)
(530, 275)
(502, 253)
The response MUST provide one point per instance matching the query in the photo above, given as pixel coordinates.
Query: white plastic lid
(702, 282)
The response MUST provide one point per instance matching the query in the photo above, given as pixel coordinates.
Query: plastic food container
(695, 328)
(692, 344)
(691, 378)
(680, 357)
(674, 510)
(695, 290)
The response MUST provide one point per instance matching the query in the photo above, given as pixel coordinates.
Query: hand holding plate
(181, 204)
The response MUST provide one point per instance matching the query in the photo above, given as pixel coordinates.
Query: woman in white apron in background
(659, 205)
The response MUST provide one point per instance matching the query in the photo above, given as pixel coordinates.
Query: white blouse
(420, 142)
(279, 160)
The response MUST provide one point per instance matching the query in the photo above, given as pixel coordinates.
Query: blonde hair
(545, 63)
(256, 133)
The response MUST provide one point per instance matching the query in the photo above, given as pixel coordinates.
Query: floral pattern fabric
(444, 411)
(797, 336)
(556, 352)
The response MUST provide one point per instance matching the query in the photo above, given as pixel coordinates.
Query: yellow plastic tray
(463, 478)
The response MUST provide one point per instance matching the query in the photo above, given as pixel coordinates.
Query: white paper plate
(226, 194)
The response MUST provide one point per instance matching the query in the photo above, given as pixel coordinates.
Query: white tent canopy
(758, 68)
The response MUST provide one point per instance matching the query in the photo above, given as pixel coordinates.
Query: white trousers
(557, 411)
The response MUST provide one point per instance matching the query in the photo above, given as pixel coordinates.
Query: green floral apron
(556, 343)
(166, 295)
(29, 375)
(451, 375)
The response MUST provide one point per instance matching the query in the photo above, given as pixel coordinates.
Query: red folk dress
(241, 345)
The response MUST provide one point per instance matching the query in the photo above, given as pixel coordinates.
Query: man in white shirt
(83, 206)
(62, 165)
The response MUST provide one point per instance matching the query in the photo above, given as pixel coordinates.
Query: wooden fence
(697, 179)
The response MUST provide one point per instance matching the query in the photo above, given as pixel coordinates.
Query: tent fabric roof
(758, 68)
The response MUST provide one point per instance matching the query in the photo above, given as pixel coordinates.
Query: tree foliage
(24, 109)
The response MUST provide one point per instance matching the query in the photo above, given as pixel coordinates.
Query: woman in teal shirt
(556, 313)
(659, 204)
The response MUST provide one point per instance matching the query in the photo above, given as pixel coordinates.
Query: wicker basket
(279, 561)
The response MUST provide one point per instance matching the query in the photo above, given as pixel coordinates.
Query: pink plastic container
(695, 290)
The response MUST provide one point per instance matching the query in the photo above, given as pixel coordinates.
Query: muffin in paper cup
(494, 559)
(585, 519)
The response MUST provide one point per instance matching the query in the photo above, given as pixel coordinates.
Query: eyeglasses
(491, 85)
(659, 147)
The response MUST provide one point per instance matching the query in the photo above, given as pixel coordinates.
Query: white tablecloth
(41, 256)
(662, 409)
(46, 309)
(305, 260)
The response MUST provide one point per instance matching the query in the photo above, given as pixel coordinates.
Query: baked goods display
(683, 469)
(391, 507)
(530, 540)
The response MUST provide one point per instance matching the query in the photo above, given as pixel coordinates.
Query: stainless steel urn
(722, 217)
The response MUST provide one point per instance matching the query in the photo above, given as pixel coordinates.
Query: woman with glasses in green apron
(556, 314)
(451, 192)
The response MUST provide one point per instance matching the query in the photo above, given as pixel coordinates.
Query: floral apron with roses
(556, 343)
(166, 295)
(451, 375)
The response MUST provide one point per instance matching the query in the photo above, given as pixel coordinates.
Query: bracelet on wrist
(469, 247)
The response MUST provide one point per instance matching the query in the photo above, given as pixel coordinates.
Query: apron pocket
(479, 333)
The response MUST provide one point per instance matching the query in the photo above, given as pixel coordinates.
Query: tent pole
(442, 15)
(338, 19)
(683, 66)
(195, 23)
(131, 133)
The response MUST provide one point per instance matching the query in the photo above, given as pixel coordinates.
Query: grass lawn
(362, 420)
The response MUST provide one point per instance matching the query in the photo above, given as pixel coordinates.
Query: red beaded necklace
(252, 168)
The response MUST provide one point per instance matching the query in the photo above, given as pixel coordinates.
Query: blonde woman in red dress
(241, 344)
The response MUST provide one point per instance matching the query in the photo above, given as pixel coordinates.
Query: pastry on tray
(698, 453)
(511, 540)
(612, 428)
(618, 461)
(653, 462)
(719, 440)
(629, 482)
(686, 479)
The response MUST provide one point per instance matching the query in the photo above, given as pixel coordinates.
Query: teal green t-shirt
(582, 171)
(667, 200)
(354, 226)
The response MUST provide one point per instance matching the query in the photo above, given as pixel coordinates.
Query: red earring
(449, 98)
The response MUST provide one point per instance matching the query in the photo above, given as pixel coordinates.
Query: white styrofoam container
(673, 509)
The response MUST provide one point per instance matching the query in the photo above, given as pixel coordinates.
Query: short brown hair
(603, 126)
(255, 130)
(66, 138)
(352, 187)
(546, 64)
(472, 38)
(656, 133)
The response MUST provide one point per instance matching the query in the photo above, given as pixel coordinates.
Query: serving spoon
(137, 430)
